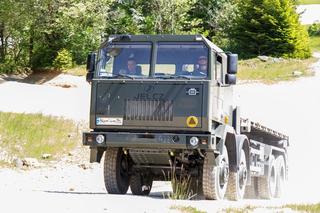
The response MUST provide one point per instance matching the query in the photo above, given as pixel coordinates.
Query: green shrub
(7, 68)
(63, 60)
(270, 27)
(10, 67)
(314, 29)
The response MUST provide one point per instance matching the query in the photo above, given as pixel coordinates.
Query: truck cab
(164, 103)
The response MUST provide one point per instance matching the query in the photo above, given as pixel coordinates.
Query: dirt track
(290, 107)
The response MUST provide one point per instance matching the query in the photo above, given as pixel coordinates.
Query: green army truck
(164, 103)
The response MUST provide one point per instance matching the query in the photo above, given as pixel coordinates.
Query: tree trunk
(31, 42)
(2, 43)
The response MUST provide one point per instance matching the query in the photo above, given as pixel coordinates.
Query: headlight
(194, 141)
(100, 139)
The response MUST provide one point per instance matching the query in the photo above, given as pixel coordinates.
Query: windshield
(182, 59)
(124, 59)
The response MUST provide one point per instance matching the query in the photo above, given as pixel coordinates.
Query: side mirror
(231, 79)
(232, 67)
(91, 61)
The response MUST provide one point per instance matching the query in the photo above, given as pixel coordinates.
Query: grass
(181, 185)
(271, 72)
(310, 208)
(315, 43)
(246, 209)
(31, 135)
(186, 209)
(79, 70)
(309, 1)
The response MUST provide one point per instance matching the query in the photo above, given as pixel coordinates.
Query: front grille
(149, 110)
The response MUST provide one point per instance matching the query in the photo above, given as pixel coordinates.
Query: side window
(218, 69)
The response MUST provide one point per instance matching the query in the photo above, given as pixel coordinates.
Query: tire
(250, 192)
(116, 176)
(267, 185)
(238, 180)
(141, 184)
(215, 176)
(281, 176)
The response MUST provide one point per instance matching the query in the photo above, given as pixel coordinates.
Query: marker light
(194, 141)
(100, 139)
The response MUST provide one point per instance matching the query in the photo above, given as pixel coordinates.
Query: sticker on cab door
(109, 121)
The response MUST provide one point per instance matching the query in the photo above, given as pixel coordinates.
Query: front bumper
(148, 140)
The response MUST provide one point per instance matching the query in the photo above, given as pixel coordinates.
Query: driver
(132, 68)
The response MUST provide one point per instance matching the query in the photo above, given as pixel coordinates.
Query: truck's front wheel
(215, 175)
(238, 180)
(116, 176)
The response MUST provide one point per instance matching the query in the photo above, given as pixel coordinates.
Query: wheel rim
(243, 173)
(223, 169)
(223, 173)
(281, 178)
(273, 181)
(123, 168)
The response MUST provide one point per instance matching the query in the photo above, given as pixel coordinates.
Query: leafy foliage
(314, 29)
(211, 18)
(147, 17)
(32, 32)
(270, 27)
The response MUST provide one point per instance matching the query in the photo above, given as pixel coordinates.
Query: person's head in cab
(203, 63)
(201, 68)
(132, 66)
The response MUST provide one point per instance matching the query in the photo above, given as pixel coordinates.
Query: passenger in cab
(201, 68)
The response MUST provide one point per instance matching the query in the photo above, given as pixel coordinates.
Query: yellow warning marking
(192, 121)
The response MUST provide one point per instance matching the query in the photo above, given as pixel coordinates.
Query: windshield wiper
(122, 75)
(172, 76)
(180, 76)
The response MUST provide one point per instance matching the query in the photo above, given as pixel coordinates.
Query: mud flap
(96, 154)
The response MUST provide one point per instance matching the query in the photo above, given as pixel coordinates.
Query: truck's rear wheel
(267, 185)
(141, 184)
(281, 173)
(116, 176)
(250, 192)
(215, 175)
(238, 180)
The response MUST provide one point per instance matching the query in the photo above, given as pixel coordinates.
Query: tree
(148, 17)
(211, 18)
(269, 27)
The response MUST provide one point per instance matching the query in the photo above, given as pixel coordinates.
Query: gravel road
(49, 98)
(290, 107)
(309, 13)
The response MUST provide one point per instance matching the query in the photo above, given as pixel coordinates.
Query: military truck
(176, 112)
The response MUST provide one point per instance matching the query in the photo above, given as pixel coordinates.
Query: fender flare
(222, 133)
(227, 137)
